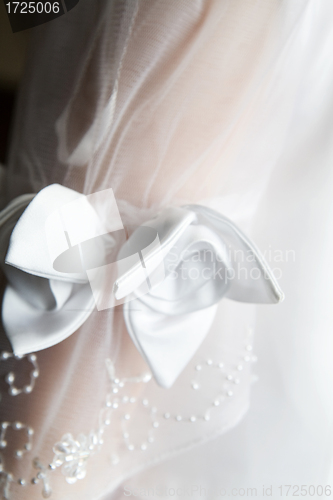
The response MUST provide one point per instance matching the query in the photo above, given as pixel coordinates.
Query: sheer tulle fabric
(167, 103)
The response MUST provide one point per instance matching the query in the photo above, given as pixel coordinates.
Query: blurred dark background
(12, 59)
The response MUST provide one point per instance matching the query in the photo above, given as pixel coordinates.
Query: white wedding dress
(221, 103)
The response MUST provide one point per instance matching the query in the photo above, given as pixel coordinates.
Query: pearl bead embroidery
(42, 476)
(71, 454)
(10, 377)
(16, 426)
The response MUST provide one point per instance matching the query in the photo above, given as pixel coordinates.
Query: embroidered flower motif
(72, 454)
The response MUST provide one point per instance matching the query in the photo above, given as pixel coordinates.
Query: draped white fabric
(225, 103)
(63, 271)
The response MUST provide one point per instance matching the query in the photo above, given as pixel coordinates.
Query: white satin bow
(170, 275)
(206, 257)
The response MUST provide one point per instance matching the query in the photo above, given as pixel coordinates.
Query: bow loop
(199, 256)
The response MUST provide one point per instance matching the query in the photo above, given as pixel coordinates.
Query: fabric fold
(201, 257)
(41, 306)
(172, 272)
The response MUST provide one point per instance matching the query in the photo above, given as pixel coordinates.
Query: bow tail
(167, 343)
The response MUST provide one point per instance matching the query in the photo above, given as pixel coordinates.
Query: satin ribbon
(206, 257)
(170, 274)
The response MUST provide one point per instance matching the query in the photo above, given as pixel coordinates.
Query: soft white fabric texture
(169, 304)
(49, 305)
(226, 103)
(169, 321)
